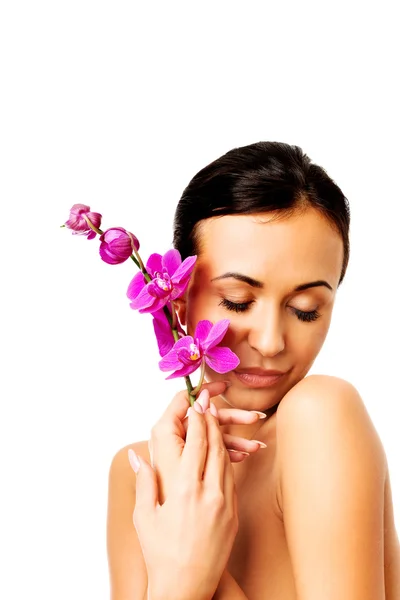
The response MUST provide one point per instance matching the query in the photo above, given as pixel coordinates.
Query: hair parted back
(260, 177)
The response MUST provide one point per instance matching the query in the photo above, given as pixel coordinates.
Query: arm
(127, 568)
(332, 474)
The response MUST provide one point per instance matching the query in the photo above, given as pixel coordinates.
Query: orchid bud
(79, 215)
(117, 245)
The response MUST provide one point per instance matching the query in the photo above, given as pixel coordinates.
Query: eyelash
(243, 306)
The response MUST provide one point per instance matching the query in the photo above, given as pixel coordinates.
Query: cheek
(200, 307)
(306, 343)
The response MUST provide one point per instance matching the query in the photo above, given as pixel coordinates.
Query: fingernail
(262, 445)
(198, 408)
(259, 413)
(228, 383)
(203, 399)
(239, 451)
(213, 410)
(133, 459)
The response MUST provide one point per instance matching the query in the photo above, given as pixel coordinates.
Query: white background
(117, 105)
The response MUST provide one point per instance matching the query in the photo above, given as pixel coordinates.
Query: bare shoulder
(120, 469)
(326, 401)
(128, 574)
(332, 470)
(324, 410)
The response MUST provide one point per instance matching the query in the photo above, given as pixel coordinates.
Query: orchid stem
(135, 261)
(196, 390)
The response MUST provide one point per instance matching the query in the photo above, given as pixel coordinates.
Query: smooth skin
(332, 488)
(129, 570)
(198, 519)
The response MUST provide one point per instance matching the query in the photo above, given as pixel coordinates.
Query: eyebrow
(258, 284)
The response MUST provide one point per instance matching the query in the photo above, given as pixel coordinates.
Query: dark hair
(261, 177)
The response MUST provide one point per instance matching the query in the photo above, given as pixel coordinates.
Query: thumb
(146, 482)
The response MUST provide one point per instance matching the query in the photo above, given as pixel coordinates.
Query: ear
(180, 306)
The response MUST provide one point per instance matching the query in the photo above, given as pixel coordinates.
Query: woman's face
(272, 326)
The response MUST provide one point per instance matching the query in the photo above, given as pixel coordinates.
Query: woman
(310, 515)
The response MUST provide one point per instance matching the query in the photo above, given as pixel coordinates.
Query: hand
(187, 541)
(168, 435)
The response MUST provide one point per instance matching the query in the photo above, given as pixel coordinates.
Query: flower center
(194, 352)
(163, 280)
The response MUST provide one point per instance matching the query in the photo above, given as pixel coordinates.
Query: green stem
(173, 322)
(198, 386)
(135, 261)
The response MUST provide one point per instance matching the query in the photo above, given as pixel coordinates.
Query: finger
(229, 484)
(216, 456)
(146, 484)
(215, 388)
(239, 416)
(176, 409)
(168, 434)
(236, 456)
(194, 453)
(233, 442)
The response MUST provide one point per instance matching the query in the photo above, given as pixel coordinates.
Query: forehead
(299, 247)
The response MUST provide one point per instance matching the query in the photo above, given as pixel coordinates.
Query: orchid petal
(155, 290)
(221, 359)
(170, 361)
(78, 209)
(202, 330)
(179, 288)
(172, 357)
(94, 218)
(216, 334)
(171, 261)
(143, 300)
(163, 333)
(154, 264)
(187, 370)
(155, 306)
(136, 286)
(184, 271)
(184, 342)
(106, 255)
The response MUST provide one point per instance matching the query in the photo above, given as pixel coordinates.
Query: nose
(266, 335)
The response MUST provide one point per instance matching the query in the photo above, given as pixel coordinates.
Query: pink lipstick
(259, 378)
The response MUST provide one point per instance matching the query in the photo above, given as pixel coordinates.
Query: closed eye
(302, 315)
(236, 306)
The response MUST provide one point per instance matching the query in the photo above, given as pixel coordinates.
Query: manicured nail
(133, 459)
(198, 408)
(259, 413)
(203, 399)
(262, 445)
(213, 410)
(238, 451)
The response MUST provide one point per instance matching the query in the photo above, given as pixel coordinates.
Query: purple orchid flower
(188, 353)
(170, 277)
(78, 223)
(163, 331)
(117, 245)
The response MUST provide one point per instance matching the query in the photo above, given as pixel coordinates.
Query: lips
(254, 377)
(258, 371)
